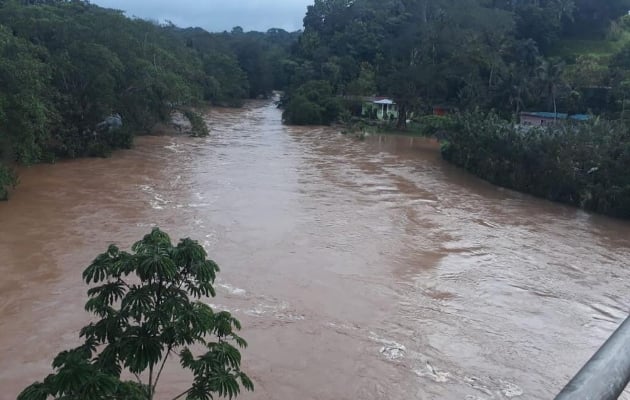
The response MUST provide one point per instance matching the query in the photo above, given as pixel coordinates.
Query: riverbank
(363, 128)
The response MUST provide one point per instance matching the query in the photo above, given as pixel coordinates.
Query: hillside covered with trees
(70, 68)
(492, 54)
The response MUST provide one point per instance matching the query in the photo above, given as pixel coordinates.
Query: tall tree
(550, 77)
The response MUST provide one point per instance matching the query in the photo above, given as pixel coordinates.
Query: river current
(359, 269)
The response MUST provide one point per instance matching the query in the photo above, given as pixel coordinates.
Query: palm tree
(549, 77)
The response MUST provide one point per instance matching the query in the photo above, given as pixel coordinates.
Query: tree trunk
(402, 117)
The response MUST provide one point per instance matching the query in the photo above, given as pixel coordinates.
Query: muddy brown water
(359, 269)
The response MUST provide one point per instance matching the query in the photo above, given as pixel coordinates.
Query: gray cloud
(217, 15)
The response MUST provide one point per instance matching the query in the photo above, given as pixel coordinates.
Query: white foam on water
(433, 373)
(264, 309)
(157, 202)
(198, 205)
(391, 350)
(174, 147)
(510, 389)
(231, 289)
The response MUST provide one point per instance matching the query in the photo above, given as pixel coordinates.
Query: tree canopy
(493, 54)
(149, 307)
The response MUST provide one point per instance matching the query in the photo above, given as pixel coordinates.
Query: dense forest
(486, 61)
(79, 80)
(505, 55)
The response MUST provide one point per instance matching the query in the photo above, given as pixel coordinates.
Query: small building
(549, 118)
(381, 108)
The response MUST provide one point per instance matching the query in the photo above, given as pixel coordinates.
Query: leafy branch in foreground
(148, 310)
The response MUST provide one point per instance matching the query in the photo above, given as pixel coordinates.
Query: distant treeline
(66, 66)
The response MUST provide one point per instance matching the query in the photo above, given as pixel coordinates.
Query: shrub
(8, 180)
(313, 103)
(199, 127)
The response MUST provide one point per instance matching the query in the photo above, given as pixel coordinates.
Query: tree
(7, 180)
(146, 315)
(313, 103)
(25, 108)
(537, 23)
(549, 74)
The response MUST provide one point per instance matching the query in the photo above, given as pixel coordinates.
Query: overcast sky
(218, 15)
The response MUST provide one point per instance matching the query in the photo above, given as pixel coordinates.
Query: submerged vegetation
(197, 123)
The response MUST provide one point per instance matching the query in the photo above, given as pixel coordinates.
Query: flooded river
(359, 269)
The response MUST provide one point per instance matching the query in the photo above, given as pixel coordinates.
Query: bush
(300, 111)
(434, 125)
(199, 127)
(8, 180)
(312, 104)
(121, 138)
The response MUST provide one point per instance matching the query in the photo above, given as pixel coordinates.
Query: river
(359, 269)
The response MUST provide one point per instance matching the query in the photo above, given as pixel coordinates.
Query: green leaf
(36, 391)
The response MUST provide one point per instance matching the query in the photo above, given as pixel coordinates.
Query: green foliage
(254, 58)
(65, 66)
(25, 107)
(582, 164)
(365, 83)
(593, 17)
(467, 54)
(147, 308)
(199, 127)
(8, 180)
(313, 103)
(537, 23)
(434, 125)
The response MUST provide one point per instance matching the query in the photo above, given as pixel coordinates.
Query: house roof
(384, 101)
(580, 117)
(548, 115)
